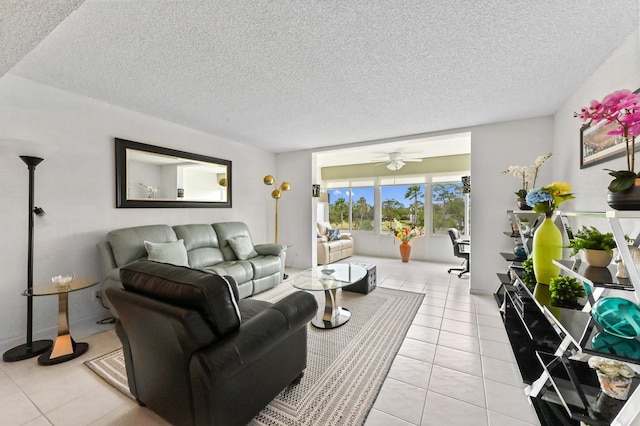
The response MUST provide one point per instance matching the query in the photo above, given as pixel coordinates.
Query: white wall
(620, 71)
(76, 188)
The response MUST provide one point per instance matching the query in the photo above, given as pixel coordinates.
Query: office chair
(461, 249)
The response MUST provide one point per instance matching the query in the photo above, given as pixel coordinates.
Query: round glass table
(329, 278)
(64, 348)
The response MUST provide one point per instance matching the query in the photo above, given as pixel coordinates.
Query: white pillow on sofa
(174, 252)
(323, 226)
(242, 247)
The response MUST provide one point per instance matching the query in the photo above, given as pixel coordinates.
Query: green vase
(547, 246)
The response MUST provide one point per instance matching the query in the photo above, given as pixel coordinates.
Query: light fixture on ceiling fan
(396, 161)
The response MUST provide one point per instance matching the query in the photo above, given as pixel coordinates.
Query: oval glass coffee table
(329, 278)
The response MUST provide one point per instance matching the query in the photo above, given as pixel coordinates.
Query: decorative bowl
(327, 271)
(617, 316)
(62, 280)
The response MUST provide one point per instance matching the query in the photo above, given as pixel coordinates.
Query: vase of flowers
(405, 234)
(547, 239)
(621, 107)
(528, 175)
(614, 376)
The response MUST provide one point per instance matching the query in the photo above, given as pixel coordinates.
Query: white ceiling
(299, 74)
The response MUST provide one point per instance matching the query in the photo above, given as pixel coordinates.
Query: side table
(64, 348)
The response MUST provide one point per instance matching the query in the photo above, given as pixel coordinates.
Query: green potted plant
(596, 246)
(565, 292)
(529, 277)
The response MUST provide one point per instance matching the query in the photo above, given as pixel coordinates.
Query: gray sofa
(208, 247)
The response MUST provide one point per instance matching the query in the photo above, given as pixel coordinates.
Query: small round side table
(64, 348)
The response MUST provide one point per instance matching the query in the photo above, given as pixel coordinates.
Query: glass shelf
(595, 276)
(578, 390)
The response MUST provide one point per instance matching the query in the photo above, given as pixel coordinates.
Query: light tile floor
(455, 367)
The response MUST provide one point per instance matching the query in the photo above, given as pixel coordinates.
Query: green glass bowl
(617, 316)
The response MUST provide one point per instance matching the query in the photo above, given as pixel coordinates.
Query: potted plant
(622, 108)
(565, 292)
(529, 277)
(596, 246)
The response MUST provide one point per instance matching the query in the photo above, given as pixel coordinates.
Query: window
(351, 208)
(448, 207)
(404, 203)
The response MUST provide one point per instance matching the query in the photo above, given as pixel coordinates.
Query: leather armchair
(196, 354)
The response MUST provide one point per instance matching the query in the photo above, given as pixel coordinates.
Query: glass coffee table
(329, 278)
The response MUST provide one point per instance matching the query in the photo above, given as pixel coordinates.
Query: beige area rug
(345, 366)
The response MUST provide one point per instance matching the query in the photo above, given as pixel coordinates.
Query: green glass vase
(547, 246)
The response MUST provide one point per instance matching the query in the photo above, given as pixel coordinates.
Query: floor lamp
(276, 194)
(31, 348)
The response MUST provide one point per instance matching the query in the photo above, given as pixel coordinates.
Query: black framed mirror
(152, 176)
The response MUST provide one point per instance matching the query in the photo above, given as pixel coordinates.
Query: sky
(396, 192)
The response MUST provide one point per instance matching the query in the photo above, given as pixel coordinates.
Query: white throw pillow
(323, 226)
(242, 247)
(174, 253)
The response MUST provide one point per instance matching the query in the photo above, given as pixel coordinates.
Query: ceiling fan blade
(412, 160)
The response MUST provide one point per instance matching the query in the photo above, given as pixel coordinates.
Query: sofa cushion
(174, 253)
(263, 266)
(240, 270)
(127, 244)
(333, 234)
(209, 294)
(322, 227)
(242, 247)
(202, 244)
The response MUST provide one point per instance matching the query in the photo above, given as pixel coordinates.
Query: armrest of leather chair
(257, 335)
(269, 249)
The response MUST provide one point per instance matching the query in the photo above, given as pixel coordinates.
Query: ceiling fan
(396, 161)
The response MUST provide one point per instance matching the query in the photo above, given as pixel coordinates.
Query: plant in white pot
(597, 247)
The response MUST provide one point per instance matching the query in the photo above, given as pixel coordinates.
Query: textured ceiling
(289, 75)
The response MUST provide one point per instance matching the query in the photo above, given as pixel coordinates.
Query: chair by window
(461, 249)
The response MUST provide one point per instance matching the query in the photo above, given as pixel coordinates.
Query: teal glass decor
(613, 345)
(617, 316)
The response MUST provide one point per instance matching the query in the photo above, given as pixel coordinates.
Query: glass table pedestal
(64, 347)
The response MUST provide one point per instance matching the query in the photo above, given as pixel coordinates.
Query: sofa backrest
(209, 294)
(202, 244)
(127, 244)
(227, 231)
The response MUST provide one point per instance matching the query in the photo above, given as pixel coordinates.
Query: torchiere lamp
(276, 194)
(31, 348)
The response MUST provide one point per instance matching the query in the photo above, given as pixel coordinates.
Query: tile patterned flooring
(455, 367)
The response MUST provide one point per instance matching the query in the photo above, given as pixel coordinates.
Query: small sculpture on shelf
(614, 376)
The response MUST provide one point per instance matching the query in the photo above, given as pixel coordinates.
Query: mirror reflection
(150, 176)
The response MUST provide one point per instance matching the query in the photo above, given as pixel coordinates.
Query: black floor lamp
(31, 348)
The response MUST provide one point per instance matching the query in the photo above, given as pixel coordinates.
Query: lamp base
(22, 352)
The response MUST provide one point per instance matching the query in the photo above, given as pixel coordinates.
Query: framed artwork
(596, 146)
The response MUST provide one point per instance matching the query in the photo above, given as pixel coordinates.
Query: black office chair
(461, 249)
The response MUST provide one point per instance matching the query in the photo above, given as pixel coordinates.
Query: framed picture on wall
(596, 146)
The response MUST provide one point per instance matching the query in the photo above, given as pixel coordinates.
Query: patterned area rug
(345, 366)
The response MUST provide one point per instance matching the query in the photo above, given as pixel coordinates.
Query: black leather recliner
(197, 355)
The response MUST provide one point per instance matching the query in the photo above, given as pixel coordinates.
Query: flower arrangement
(405, 233)
(546, 199)
(623, 108)
(528, 174)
